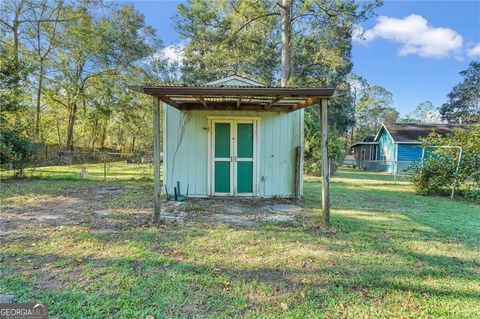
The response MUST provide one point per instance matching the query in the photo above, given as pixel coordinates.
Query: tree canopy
(66, 65)
(463, 105)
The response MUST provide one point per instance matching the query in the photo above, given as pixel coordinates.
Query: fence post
(104, 166)
(456, 172)
(395, 169)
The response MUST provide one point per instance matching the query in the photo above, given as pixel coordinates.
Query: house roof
(367, 140)
(412, 132)
(237, 94)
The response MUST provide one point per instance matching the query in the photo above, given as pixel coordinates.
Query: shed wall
(186, 150)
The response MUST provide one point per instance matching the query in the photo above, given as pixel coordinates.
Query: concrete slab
(286, 208)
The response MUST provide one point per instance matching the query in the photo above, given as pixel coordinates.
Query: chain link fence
(393, 168)
(84, 165)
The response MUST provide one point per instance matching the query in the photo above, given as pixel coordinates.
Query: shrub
(336, 153)
(438, 171)
(14, 151)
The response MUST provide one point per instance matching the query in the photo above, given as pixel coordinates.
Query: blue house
(397, 145)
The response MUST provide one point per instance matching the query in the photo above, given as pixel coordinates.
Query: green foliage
(439, 170)
(12, 78)
(12, 75)
(79, 57)
(373, 108)
(14, 151)
(424, 112)
(336, 147)
(463, 104)
(218, 45)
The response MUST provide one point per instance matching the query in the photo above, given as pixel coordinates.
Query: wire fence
(84, 165)
(391, 167)
(394, 169)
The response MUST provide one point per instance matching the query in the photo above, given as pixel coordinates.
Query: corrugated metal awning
(238, 98)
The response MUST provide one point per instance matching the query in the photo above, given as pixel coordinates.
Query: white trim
(302, 149)
(233, 121)
(227, 117)
(233, 152)
(257, 157)
(400, 142)
(395, 156)
(209, 157)
(164, 146)
(383, 126)
(235, 77)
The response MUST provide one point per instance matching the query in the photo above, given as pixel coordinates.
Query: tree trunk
(133, 144)
(58, 133)
(15, 42)
(39, 96)
(104, 135)
(71, 124)
(286, 30)
(94, 135)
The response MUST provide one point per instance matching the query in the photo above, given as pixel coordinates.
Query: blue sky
(415, 49)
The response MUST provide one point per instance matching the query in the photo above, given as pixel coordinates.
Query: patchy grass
(389, 254)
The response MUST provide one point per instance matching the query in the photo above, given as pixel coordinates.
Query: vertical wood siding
(187, 157)
(386, 147)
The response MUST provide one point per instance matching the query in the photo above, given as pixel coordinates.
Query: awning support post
(325, 162)
(156, 158)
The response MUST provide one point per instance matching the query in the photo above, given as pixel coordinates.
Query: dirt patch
(71, 206)
(243, 212)
(90, 206)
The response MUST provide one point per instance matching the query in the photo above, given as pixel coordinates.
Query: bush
(14, 151)
(336, 153)
(439, 169)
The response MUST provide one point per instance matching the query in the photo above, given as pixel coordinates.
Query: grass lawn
(389, 254)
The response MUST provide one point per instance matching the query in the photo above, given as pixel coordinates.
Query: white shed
(234, 137)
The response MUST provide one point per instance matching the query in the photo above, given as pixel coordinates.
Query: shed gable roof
(238, 94)
(235, 81)
(413, 132)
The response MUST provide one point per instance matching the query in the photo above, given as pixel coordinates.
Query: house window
(385, 154)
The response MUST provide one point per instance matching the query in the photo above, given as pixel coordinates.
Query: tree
(44, 18)
(13, 75)
(425, 112)
(357, 87)
(271, 33)
(64, 69)
(219, 47)
(374, 108)
(90, 46)
(463, 105)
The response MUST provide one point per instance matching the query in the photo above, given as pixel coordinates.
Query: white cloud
(416, 36)
(474, 51)
(174, 53)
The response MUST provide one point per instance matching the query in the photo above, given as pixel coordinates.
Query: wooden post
(298, 155)
(156, 158)
(104, 166)
(325, 162)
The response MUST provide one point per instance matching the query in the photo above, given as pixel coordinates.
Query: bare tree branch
(255, 19)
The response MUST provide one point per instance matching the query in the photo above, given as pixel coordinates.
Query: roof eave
(233, 91)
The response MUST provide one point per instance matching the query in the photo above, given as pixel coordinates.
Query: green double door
(233, 157)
